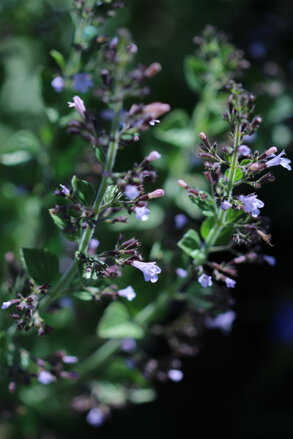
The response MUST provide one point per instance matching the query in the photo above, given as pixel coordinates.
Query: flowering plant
(97, 266)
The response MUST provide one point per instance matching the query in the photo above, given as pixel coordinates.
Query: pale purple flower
(230, 283)
(180, 220)
(70, 359)
(131, 191)
(6, 305)
(95, 417)
(45, 377)
(175, 375)
(150, 270)
(78, 104)
(58, 84)
(64, 190)
(251, 204)
(225, 205)
(222, 321)
(154, 155)
(270, 260)
(205, 280)
(128, 345)
(82, 82)
(142, 213)
(128, 293)
(181, 273)
(279, 160)
(244, 150)
(93, 245)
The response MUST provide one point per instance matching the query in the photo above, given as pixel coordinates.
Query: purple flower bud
(154, 155)
(279, 160)
(142, 213)
(156, 194)
(45, 377)
(225, 205)
(181, 273)
(230, 283)
(82, 82)
(95, 417)
(156, 109)
(128, 345)
(244, 150)
(175, 375)
(270, 260)
(58, 84)
(251, 204)
(128, 293)
(180, 220)
(205, 280)
(69, 359)
(149, 269)
(131, 191)
(222, 321)
(64, 190)
(78, 104)
(6, 305)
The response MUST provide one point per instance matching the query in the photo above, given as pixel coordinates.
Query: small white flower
(69, 359)
(279, 160)
(222, 321)
(175, 375)
(251, 204)
(205, 280)
(131, 191)
(78, 104)
(6, 305)
(128, 293)
(95, 417)
(142, 213)
(150, 270)
(181, 273)
(230, 283)
(58, 84)
(244, 150)
(45, 377)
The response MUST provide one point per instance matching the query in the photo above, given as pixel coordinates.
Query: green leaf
(83, 190)
(111, 193)
(189, 242)
(41, 265)
(175, 129)
(58, 58)
(204, 202)
(85, 296)
(20, 148)
(61, 224)
(237, 176)
(206, 226)
(193, 69)
(100, 155)
(142, 396)
(116, 323)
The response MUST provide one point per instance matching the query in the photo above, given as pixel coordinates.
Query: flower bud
(272, 150)
(183, 184)
(154, 155)
(156, 194)
(202, 136)
(156, 109)
(152, 70)
(254, 167)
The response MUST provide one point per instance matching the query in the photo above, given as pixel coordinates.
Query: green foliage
(41, 265)
(83, 190)
(116, 323)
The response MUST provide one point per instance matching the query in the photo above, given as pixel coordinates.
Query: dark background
(240, 385)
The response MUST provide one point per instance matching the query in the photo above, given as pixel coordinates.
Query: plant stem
(221, 219)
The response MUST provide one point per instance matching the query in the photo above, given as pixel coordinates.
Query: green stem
(221, 219)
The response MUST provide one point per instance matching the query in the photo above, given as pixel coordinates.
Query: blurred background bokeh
(240, 385)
